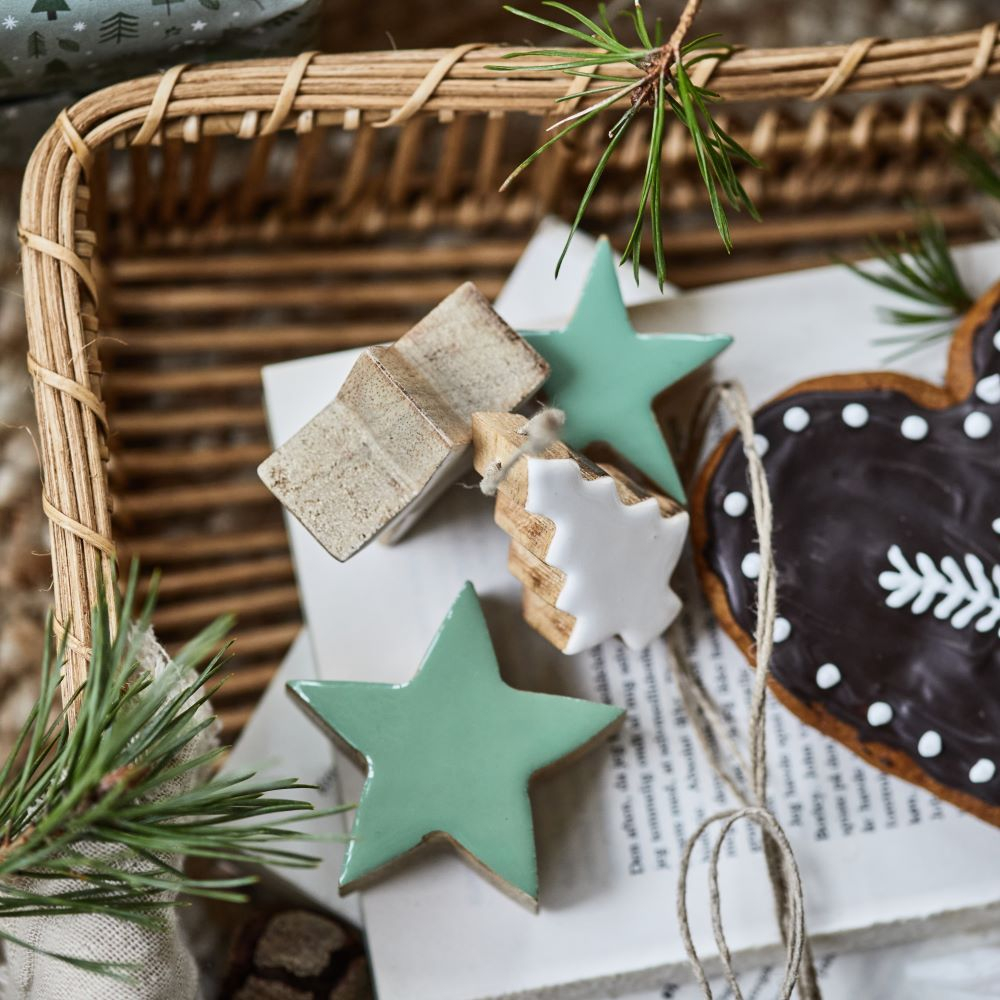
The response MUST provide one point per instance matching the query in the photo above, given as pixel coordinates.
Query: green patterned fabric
(81, 45)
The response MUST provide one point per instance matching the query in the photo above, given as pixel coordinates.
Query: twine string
(713, 732)
(540, 432)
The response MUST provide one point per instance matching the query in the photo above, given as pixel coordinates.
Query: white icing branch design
(957, 596)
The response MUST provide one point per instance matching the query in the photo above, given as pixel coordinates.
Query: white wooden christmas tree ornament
(594, 551)
(398, 431)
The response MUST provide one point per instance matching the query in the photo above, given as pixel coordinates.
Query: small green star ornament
(449, 755)
(605, 375)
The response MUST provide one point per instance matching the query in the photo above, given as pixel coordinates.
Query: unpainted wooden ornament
(399, 429)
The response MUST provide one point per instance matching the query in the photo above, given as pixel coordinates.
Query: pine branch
(96, 805)
(651, 75)
(920, 269)
(982, 170)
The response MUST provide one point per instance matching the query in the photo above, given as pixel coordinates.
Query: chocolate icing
(842, 496)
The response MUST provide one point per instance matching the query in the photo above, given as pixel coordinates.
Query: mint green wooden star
(605, 375)
(450, 754)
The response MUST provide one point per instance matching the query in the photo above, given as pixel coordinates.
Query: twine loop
(748, 781)
(428, 85)
(795, 944)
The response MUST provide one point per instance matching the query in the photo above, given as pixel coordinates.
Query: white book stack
(882, 860)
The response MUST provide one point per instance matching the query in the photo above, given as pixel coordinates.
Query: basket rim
(258, 97)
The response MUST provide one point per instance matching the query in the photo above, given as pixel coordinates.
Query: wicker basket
(182, 231)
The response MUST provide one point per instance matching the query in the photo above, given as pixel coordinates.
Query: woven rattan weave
(181, 231)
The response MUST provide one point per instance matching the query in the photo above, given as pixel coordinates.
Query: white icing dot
(988, 389)
(914, 428)
(751, 565)
(735, 503)
(855, 415)
(996, 525)
(996, 340)
(782, 629)
(930, 744)
(879, 713)
(977, 424)
(761, 444)
(982, 771)
(796, 419)
(828, 676)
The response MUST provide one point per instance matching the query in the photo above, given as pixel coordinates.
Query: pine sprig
(101, 805)
(982, 170)
(921, 269)
(652, 75)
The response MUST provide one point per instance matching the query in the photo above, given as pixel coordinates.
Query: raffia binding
(158, 106)
(429, 84)
(61, 383)
(289, 91)
(855, 55)
(981, 60)
(76, 644)
(75, 141)
(68, 257)
(77, 528)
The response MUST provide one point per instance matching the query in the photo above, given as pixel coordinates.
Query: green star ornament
(450, 753)
(605, 375)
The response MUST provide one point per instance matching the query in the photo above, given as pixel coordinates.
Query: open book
(881, 859)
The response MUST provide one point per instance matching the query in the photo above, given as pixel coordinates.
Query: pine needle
(662, 83)
(981, 169)
(94, 805)
(921, 269)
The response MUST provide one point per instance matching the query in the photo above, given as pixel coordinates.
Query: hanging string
(540, 432)
(713, 732)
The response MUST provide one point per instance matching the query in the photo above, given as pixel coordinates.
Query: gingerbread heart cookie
(886, 494)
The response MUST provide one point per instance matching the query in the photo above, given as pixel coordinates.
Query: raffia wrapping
(166, 968)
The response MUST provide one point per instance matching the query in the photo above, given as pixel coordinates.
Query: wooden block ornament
(399, 429)
(449, 755)
(594, 551)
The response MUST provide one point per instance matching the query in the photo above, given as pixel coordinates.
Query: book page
(277, 743)
(874, 851)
